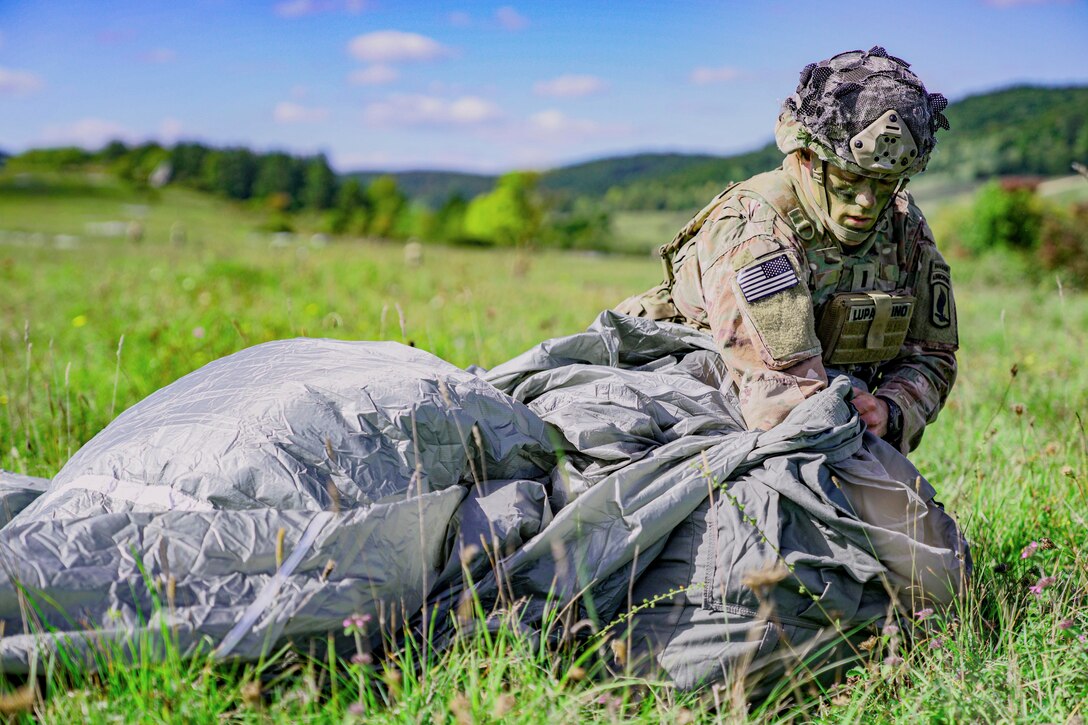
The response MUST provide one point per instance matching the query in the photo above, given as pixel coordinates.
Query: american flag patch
(764, 279)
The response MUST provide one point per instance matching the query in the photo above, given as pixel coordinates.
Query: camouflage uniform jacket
(770, 346)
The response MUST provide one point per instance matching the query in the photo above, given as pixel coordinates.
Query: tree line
(515, 212)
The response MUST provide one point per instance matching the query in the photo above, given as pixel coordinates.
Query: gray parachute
(270, 495)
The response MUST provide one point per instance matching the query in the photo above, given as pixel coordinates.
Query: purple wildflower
(936, 643)
(1065, 624)
(356, 708)
(893, 660)
(924, 613)
(356, 623)
(890, 629)
(1029, 550)
(362, 658)
(1083, 638)
(1043, 583)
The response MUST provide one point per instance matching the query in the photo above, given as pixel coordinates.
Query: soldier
(825, 265)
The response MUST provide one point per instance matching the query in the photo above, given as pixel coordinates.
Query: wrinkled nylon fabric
(273, 493)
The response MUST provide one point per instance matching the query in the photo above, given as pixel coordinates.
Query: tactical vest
(856, 327)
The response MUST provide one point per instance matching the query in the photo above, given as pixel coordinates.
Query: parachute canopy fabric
(270, 495)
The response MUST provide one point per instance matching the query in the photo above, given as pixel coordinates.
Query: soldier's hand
(873, 411)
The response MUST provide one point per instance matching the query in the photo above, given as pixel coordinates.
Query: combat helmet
(865, 112)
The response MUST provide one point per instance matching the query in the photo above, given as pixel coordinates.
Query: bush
(510, 214)
(951, 225)
(1005, 217)
(67, 158)
(1063, 244)
(277, 222)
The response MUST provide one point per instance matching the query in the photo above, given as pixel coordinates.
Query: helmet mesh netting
(838, 98)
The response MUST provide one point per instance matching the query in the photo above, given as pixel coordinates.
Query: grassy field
(90, 325)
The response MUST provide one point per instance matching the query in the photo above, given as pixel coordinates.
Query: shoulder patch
(934, 318)
(940, 294)
(767, 277)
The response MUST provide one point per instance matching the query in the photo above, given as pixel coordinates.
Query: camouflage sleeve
(920, 377)
(767, 340)
(918, 381)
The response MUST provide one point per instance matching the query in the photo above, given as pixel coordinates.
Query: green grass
(642, 232)
(1009, 456)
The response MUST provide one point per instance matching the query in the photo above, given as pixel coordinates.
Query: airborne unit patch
(940, 295)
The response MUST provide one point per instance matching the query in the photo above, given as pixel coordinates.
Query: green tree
(278, 174)
(113, 151)
(58, 159)
(230, 172)
(351, 213)
(510, 214)
(1005, 218)
(188, 161)
(319, 187)
(584, 224)
(387, 204)
(140, 161)
(448, 223)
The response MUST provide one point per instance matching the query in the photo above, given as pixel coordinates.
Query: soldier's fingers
(864, 404)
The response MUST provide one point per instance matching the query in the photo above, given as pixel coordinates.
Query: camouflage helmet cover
(844, 99)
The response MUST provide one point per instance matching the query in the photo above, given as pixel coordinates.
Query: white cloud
(302, 8)
(170, 130)
(569, 86)
(295, 8)
(373, 75)
(703, 76)
(554, 127)
(511, 19)
(555, 122)
(459, 19)
(89, 133)
(18, 82)
(288, 112)
(159, 55)
(418, 110)
(391, 46)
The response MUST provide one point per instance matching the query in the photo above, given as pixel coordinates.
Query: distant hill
(594, 178)
(1018, 130)
(649, 181)
(431, 187)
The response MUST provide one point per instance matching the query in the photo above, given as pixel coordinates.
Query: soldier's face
(856, 201)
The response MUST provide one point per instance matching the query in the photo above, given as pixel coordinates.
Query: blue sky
(483, 86)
